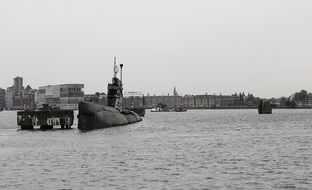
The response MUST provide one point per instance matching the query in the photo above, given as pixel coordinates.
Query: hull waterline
(93, 116)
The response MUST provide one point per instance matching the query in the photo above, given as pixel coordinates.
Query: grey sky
(199, 46)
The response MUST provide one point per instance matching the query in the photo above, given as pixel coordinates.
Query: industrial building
(2, 99)
(64, 96)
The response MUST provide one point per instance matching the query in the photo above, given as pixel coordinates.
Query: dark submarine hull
(93, 116)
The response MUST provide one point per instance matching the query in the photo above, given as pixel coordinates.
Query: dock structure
(46, 119)
(265, 107)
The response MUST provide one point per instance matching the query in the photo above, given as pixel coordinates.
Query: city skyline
(199, 47)
(18, 87)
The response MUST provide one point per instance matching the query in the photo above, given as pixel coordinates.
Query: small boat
(95, 116)
(166, 109)
(158, 109)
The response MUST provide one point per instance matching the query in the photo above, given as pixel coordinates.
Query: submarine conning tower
(114, 89)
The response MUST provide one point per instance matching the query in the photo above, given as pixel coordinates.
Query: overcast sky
(199, 46)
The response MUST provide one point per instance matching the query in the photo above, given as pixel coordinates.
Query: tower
(175, 92)
(18, 85)
(175, 97)
(114, 89)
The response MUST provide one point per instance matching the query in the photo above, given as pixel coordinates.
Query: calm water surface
(209, 149)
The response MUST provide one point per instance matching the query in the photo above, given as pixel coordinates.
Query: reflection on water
(212, 149)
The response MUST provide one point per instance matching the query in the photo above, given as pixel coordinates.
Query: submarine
(95, 116)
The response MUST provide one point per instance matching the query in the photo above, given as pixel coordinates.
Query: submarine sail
(96, 116)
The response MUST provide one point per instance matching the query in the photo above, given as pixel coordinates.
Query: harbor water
(197, 149)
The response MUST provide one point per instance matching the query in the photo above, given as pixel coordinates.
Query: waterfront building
(207, 101)
(230, 100)
(2, 98)
(169, 100)
(307, 103)
(133, 99)
(64, 96)
(189, 101)
(210, 101)
(202, 101)
(194, 101)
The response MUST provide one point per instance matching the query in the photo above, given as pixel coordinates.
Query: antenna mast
(121, 66)
(115, 70)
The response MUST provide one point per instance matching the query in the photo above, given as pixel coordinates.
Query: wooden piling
(265, 107)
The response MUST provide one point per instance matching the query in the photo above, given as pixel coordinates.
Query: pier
(46, 119)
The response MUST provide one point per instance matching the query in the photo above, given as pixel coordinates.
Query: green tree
(290, 103)
(301, 96)
(283, 101)
(251, 98)
(162, 105)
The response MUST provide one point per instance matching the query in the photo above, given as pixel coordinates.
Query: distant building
(197, 101)
(210, 101)
(91, 98)
(169, 100)
(308, 102)
(14, 90)
(64, 96)
(18, 97)
(133, 99)
(18, 85)
(230, 100)
(2, 99)
(99, 98)
(9, 98)
(26, 99)
(189, 101)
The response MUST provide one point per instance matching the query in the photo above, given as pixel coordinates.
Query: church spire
(175, 92)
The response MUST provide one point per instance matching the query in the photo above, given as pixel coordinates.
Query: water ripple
(206, 149)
